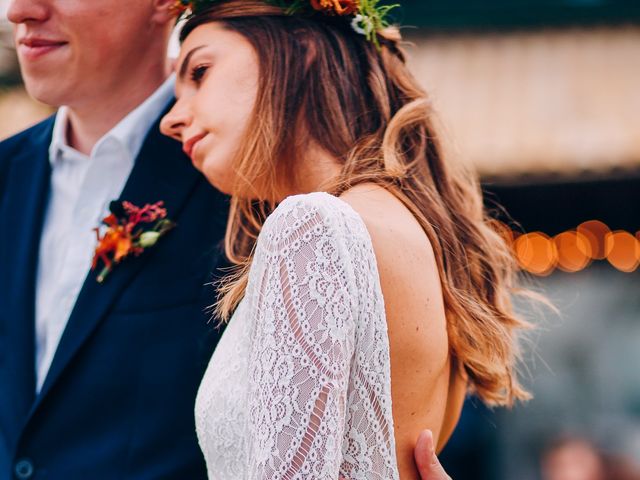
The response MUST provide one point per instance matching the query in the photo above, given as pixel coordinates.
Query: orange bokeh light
(574, 251)
(536, 253)
(595, 232)
(622, 250)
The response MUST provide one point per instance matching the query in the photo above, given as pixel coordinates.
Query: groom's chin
(47, 79)
(47, 89)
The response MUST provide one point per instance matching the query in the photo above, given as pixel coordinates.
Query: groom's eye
(197, 73)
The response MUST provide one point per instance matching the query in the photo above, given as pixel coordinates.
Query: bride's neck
(314, 170)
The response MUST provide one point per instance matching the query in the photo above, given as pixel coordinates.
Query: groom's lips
(32, 48)
(189, 146)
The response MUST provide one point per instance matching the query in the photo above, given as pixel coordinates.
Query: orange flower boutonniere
(130, 231)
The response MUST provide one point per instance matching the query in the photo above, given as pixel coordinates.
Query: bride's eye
(198, 72)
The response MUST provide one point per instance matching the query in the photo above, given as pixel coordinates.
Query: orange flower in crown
(368, 17)
(338, 7)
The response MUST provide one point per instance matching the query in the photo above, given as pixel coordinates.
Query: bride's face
(216, 90)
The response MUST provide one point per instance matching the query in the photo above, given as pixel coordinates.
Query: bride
(371, 292)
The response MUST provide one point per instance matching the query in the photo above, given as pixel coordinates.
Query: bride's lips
(189, 145)
(31, 48)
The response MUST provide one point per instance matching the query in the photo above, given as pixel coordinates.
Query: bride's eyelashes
(198, 72)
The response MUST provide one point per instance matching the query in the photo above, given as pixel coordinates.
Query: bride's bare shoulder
(406, 260)
(399, 241)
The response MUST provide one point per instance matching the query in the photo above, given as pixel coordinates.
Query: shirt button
(24, 469)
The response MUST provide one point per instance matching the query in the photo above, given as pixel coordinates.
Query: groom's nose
(25, 11)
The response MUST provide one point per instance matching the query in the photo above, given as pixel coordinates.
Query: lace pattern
(299, 386)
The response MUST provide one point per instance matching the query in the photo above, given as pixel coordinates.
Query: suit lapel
(21, 222)
(162, 172)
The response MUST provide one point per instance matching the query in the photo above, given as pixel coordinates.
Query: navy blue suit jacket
(119, 397)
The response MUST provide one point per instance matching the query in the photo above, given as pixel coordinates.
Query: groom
(98, 379)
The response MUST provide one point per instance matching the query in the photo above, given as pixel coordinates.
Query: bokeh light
(574, 251)
(623, 250)
(536, 253)
(595, 232)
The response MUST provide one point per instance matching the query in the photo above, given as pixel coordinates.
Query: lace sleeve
(302, 346)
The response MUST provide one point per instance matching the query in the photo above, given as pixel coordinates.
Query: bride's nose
(174, 122)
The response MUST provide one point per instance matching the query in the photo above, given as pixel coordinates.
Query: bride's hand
(427, 460)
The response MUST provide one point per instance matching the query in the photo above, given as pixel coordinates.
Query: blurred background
(542, 98)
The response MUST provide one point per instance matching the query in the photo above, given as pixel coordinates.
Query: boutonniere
(130, 231)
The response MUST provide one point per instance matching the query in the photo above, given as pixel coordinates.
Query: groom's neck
(90, 119)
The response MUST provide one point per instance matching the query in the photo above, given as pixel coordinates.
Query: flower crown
(368, 17)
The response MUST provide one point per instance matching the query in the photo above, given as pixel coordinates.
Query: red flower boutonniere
(131, 230)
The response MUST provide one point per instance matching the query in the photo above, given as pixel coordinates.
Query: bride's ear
(164, 12)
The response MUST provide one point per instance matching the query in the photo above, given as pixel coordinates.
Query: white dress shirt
(81, 189)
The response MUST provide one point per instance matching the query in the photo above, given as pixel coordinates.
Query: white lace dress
(299, 386)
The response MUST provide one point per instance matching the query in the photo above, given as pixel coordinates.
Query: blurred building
(545, 103)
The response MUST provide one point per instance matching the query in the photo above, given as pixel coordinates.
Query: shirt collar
(59, 137)
(129, 133)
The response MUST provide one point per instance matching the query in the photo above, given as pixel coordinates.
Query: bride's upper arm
(304, 338)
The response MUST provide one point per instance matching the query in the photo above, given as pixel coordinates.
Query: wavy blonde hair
(320, 82)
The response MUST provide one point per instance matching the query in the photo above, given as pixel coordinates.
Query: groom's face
(71, 50)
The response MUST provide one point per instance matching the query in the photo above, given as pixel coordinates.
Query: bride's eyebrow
(185, 62)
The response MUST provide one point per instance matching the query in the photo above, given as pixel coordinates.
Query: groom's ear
(164, 13)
